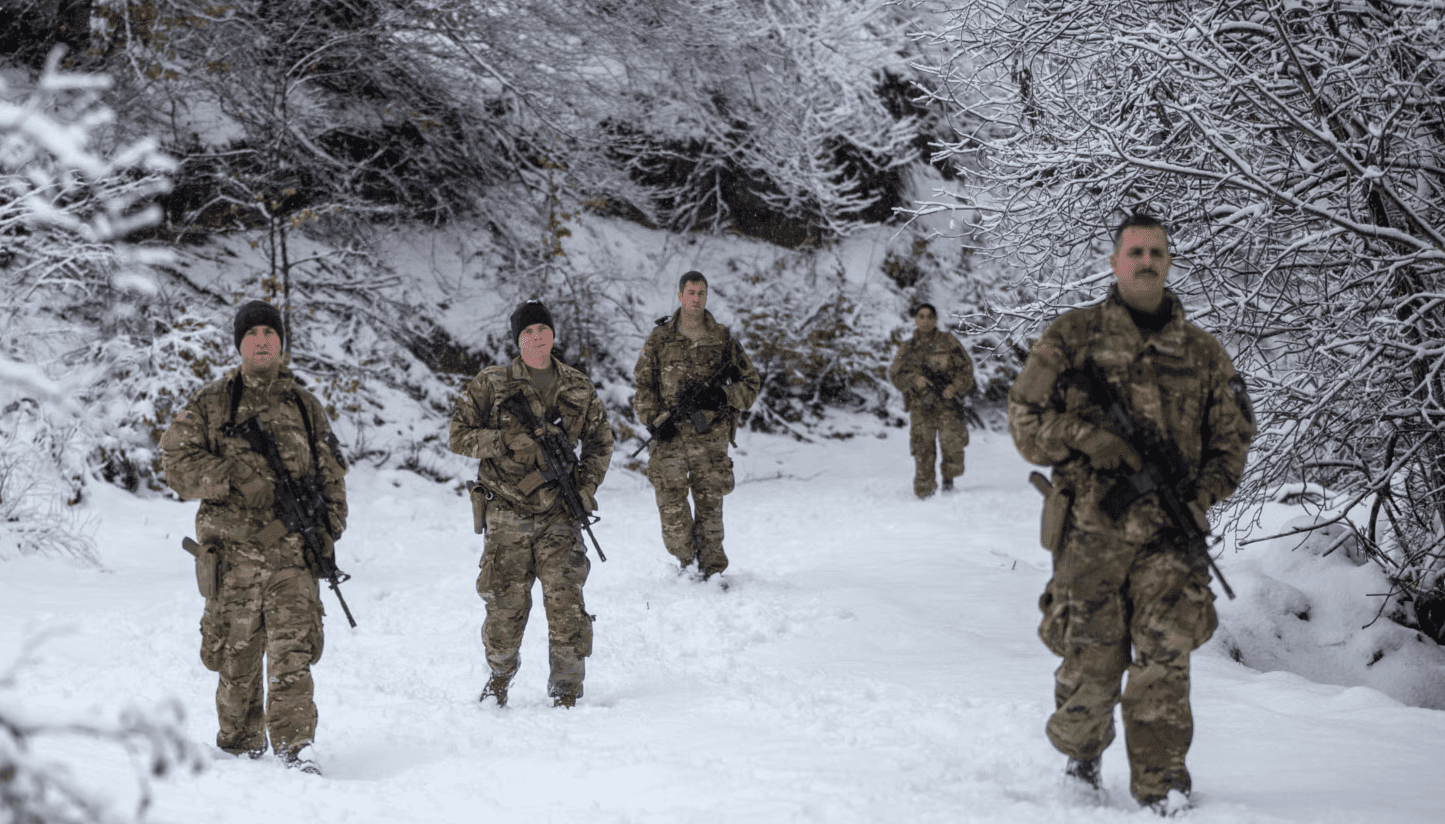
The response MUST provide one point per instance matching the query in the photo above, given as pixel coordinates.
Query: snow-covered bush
(36, 788)
(69, 198)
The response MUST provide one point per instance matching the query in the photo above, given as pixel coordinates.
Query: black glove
(663, 432)
(687, 397)
(712, 398)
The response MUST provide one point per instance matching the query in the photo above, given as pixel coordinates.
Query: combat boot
(253, 749)
(302, 758)
(565, 698)
(1086, 772)
(496, 688)
(947, 484)
(1173, 804)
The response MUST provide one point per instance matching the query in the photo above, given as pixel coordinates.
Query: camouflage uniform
(268, 601)
(932, 418)
(1130, 583)
(691, 461)
(530, 536)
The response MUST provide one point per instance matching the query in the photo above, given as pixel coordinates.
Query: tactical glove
(524, 450)
(712, 398)
(663, 432)
(589, 498)
(1105, 449)
(256, 491)
(687, 396)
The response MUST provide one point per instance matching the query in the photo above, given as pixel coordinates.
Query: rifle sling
(238, 386)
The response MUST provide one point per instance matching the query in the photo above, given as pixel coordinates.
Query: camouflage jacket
(201, 462)
(669, 359)
(480, 429)
(937, 352)
(1179, 381)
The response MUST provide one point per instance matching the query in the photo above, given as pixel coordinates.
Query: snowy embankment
(874, 660)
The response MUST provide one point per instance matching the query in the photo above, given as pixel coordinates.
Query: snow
(874, 659)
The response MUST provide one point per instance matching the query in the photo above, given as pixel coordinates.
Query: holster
(1057, 503)
(480, 496)
(208, 566)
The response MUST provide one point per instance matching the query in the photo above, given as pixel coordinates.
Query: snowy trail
(874, 660)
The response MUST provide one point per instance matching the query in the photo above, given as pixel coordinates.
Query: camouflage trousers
(276, 613)
(523, 549)
(930, 425)
(696, 464)
(1114, 608)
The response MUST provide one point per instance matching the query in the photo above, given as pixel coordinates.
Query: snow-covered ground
(874, 660)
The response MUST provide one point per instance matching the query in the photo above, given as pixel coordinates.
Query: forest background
(398, 175)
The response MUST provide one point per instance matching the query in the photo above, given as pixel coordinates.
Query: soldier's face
(693, 298)
(1141, 263)
(925, 320)
(260, 349)
(536, 342)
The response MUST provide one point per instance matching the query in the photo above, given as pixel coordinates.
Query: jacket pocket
(213, 635)
(1055, 622)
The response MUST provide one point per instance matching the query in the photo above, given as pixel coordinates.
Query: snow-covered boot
(1173, 804)
(303, 758)
(1086, 772)
(496, 688)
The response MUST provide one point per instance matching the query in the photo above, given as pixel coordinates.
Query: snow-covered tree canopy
(1298, 151)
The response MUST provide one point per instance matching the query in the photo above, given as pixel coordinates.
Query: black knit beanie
(533, 311)
(258, 313)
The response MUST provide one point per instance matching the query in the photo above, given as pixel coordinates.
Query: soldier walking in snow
(693, 378)
(267, 599)
(531, 535)
(1129, 593)
(933, 372)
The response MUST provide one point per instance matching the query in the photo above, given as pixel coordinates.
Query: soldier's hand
(663, 432)
(589, 498)
(662, 429)
(1105, 449)
(256, 491)
(524, 450)
(712, 398)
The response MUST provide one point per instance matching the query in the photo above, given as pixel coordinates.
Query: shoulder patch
(185, 416)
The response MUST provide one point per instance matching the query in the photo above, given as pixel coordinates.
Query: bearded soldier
(1129, 593)
(933, 372)
(267, 599)
(693, 378)
(531, 536)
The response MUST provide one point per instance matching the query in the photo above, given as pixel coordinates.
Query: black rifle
(300, 505)
(940, 382)
(1154, 454)
(688, 396)
(558, 461)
